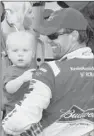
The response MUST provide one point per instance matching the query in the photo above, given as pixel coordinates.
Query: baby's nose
(20, 53)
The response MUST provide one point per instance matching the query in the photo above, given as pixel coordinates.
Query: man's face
(60, 43)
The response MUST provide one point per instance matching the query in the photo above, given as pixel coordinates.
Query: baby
(25, 97)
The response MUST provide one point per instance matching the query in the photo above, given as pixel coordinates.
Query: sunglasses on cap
(55, 35)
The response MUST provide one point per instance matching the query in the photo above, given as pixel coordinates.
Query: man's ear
(75, 35)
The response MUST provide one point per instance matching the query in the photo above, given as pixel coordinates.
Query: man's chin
(55, 56)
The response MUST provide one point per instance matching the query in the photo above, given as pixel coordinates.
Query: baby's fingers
(31, 70)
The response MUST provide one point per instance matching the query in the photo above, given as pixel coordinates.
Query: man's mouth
(56, 49)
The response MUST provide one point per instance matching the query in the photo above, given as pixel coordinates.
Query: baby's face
(20, 53)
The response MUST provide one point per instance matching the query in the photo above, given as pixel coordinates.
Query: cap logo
(51, 17)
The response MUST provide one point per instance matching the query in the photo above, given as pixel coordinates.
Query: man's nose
(52, 43)
(49, 41)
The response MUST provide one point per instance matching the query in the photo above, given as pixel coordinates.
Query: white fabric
(84, 53)
(77, 128)
(30, 110)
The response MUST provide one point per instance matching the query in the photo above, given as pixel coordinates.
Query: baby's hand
(27, 76)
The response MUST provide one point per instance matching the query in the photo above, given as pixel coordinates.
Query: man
(73, 69)
(73, 72)
(87, 9)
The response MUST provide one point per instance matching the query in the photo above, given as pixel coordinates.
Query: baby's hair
(16, 37)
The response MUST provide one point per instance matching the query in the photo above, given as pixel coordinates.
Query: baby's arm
(13, 85)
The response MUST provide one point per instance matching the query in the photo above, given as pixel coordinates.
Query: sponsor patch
(75, 113)
(51, 17)
(42, 69)
(38, 73)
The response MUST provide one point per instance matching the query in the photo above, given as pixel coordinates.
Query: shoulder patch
(51, 16)
(54, 67)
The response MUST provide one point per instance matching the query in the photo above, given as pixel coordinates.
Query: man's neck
(76, 46)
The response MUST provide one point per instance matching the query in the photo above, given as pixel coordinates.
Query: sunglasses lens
(53, 36)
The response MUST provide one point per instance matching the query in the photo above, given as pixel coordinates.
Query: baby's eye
(15, 50)
(25, 50)
(29, 11)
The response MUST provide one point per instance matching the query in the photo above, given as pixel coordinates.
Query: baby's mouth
(20, 60)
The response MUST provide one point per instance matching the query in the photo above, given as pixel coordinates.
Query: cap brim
(47, 13)
(45, 31)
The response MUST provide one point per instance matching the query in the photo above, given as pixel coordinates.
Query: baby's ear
(8, 53)
(33, 53)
